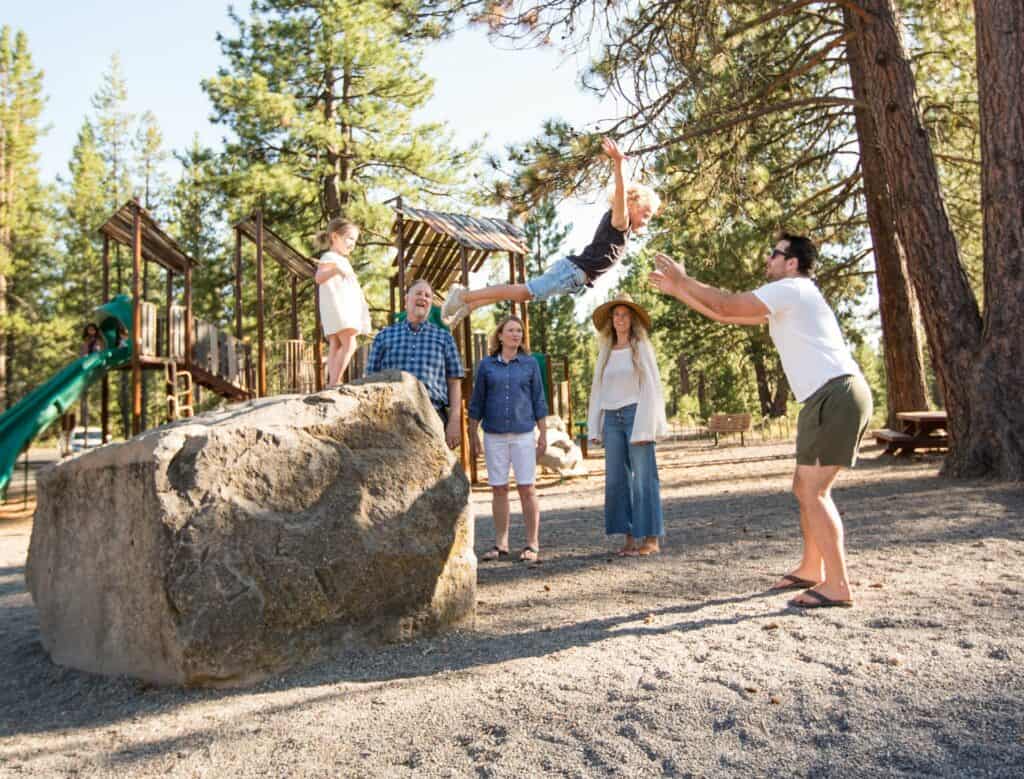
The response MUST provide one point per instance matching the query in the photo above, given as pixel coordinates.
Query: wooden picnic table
(918, 430)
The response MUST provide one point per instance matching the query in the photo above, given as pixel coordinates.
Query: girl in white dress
(343, 308)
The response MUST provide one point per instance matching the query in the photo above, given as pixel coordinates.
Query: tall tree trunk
(996, 442)
(684, 374)
(702, 395)
(948, 306)
(906, 384)
(764, 392)
(781, 399)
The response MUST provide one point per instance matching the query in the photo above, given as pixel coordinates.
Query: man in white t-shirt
(823, 376)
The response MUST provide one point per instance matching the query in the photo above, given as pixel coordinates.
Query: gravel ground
(592, 665)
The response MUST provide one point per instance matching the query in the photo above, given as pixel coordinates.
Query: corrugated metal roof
(434, 243)
(157, 246)
(474, 232)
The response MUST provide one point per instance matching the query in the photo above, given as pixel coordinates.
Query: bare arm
(474, 437)
(453, 433)
(326, 271)
(736, 308)
(542, 440)
(620, 214)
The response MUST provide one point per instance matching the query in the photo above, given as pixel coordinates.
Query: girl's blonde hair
(494, 342)
(639, 193)
(606, 340)
(339, 226)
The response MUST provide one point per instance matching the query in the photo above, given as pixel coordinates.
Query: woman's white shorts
(502, 450)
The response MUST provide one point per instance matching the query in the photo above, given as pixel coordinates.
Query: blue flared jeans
(632, 493)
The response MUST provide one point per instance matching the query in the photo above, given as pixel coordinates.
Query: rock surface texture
(563, 455)
(220, 549)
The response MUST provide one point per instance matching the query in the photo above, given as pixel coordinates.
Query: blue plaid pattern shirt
(427, 352)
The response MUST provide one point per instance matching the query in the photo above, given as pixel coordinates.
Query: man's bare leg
(812, 566)
(813, 488)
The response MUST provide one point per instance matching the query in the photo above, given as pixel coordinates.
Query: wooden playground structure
(445, 248)
(442, 248)
(192, 352)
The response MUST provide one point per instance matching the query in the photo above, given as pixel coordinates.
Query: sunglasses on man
(772, 253)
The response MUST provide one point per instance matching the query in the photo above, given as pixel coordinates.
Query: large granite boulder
(562, 455)
(220, 549)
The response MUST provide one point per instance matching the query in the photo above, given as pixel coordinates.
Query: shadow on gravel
(89, 701)
(39, 697)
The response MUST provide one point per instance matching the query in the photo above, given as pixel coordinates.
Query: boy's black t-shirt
(606, 249)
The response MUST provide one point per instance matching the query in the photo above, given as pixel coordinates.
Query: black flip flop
(526, 549)
(795, 583)
(501, 553)
(823, 602)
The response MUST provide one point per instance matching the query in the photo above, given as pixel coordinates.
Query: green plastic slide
(30, 416)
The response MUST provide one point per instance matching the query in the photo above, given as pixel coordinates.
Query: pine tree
(320, 97)
(196, 208)
(150, 157)
(114, 132)
(27, 343)
(113, 125)
(715, 67)
(84, 208)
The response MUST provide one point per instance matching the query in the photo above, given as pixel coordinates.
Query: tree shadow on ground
(29, 682)
(107, 700)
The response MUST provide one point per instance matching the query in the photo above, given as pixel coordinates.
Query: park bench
(729, 423)
(921, 430)
(893, 440)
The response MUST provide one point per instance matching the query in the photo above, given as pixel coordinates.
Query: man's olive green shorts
(832, 422)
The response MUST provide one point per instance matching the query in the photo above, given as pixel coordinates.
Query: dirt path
(590, 665)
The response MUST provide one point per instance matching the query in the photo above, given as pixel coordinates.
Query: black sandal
(532, 550)
(494, 553)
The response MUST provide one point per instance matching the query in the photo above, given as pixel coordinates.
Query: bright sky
(167, 48)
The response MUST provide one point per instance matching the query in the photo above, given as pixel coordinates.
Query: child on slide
(343, 308)
(632, 207)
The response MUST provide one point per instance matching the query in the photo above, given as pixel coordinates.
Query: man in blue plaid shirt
(426, 351)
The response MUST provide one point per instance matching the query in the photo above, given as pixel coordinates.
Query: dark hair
(803, 250)
(495, 339)
(85, 330)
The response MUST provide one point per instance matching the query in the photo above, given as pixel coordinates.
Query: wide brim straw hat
(604, 311)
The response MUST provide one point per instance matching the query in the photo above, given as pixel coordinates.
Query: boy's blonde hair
(639, 193)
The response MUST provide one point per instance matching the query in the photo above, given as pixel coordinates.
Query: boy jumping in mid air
(632, 207)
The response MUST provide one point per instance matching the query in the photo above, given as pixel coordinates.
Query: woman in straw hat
(627, 412)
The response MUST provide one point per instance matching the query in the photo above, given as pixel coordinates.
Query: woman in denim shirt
(508, 399)
(627, 411)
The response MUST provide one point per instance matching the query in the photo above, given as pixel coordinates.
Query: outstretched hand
(611, 148)
(667, 275)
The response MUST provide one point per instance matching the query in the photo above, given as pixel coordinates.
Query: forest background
(749, 118)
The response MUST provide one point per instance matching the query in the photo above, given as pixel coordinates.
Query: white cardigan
(650, 423)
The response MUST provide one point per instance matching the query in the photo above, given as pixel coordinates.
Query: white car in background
(79, 439)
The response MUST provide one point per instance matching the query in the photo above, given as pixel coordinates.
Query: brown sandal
(494, 553)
